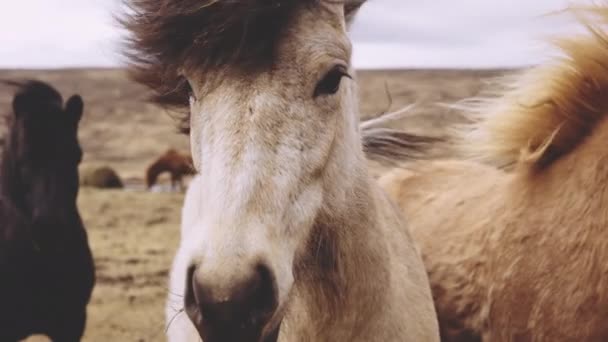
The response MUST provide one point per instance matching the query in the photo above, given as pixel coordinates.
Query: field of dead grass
(134, 234)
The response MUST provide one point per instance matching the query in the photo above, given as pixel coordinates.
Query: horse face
(272, 148)
(48, 153)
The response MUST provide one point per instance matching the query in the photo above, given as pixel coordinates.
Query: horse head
(42, 154)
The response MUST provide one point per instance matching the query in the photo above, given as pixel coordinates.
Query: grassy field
(134, 234)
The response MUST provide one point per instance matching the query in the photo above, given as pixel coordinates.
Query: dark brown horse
(46, 267)
(177, 164)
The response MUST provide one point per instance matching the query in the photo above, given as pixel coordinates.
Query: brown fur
(177, 164)
(47, 272)
(520, 255)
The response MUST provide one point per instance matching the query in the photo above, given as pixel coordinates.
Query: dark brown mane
(167, 36)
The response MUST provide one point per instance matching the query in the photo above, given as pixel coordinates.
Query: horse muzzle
(238, 310)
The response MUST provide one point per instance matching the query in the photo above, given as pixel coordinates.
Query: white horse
(285, 235)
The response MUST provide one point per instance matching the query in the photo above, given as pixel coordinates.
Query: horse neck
(154, 170)
(13, 191)
(338, 286)
(578, 181)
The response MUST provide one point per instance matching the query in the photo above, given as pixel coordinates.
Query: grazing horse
(173, 162)
(293, 240)
(46, 267)
(514, 234)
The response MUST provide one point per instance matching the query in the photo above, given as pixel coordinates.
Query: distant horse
(46, 268)
(293, 240)
(517, 250)
(103, 177)
(177, 164)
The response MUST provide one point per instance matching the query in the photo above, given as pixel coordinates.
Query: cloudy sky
(387, 33)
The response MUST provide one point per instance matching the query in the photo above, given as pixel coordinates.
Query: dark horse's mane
(46, 267)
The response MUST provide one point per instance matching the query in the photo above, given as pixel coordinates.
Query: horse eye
(330, 83)
(190, 92)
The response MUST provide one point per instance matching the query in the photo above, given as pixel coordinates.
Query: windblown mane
(393, 146)
(169, 36)
(546, 111)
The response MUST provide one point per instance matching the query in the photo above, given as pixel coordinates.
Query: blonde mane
(544, 112)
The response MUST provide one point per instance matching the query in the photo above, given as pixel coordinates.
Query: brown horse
(46, 268)
(177, 164)
(518, 252)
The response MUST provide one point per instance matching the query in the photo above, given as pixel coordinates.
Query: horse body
(515, 256)
(46, 265)
(44, 291)
(519, 254)
(292, 240)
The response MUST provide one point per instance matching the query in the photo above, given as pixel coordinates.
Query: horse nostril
(241, 308)
(190, 305)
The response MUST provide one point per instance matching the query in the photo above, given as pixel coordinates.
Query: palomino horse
(46, 267)
(177, 164)
(292, 240)
(518, 253)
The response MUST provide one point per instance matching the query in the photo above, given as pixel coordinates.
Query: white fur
(180, 328)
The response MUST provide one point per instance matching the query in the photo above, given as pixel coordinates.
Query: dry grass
(134, 234)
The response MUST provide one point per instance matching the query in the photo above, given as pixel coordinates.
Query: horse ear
(19, 104)
(351, 8)
(74, 107)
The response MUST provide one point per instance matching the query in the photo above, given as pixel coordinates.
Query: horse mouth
(237, 332)
(242, 335)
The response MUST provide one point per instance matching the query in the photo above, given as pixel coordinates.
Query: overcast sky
(387, 33)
